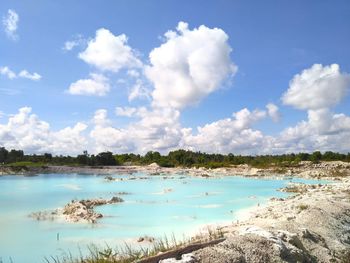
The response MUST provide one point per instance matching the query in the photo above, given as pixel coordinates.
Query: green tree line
(172, 159)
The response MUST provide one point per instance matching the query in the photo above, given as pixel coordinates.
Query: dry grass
(128, 254)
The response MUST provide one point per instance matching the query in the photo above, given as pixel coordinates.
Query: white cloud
(6, 71)
(316, 90)
(138, 91)
(125, 112)
(75, 42)
(109, 52)
(228, 135)
(96, 85)
(27, 75)
(323, 131)
(133, 73)
(317, 87)
(69, 45)
(157, 130)
(273, 112)
(107, 138)
(131, 111)
(63, 140)
(190, 65)
(10, 23)
(160, 130)
(26, 131)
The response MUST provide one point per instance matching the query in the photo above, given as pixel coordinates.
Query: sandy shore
(310, 226)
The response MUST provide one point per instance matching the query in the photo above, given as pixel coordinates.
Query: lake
(155, 207)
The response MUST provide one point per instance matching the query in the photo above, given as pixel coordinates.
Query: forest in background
(175, 158)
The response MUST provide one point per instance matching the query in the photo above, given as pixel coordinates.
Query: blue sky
(271, 42)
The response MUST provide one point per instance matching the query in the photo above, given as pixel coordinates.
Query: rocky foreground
(311, 226)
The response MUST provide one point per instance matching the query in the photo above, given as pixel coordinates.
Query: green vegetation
(27, 164)
(173, 159)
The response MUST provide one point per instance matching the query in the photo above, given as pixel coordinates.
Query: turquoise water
(148, 209)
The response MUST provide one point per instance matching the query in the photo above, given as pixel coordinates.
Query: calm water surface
(147, 210)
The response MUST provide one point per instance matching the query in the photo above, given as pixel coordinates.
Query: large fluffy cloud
(317, 87)
(316, 90)
(157, 130)
(229, 135)
(108, 138)
(189, 65)
(109, 52)
(160, 130)
(323, 130)
(26, 131)
(96, 85)
(10, 23)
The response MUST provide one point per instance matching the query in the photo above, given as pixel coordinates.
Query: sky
(224, 76)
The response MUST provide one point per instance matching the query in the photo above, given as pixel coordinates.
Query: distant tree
(151, 157)
(15, 156)
(47, 157)
(303, 156)
(3, 154)
(83, 159)
(316, 156)
(105, 158)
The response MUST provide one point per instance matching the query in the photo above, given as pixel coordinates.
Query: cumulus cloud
(107, 138)
(316, 90)
(157, 130)
(10, 23)
(273, 112)
(26, 131)
(323, 130)
(31, 76)
(317, 87)
(6, 71)
(109, 52)
(228, 135)
(190, 65)
(96, 85)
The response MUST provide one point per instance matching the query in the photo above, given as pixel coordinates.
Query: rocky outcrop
(77, 210)
(298, 188)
